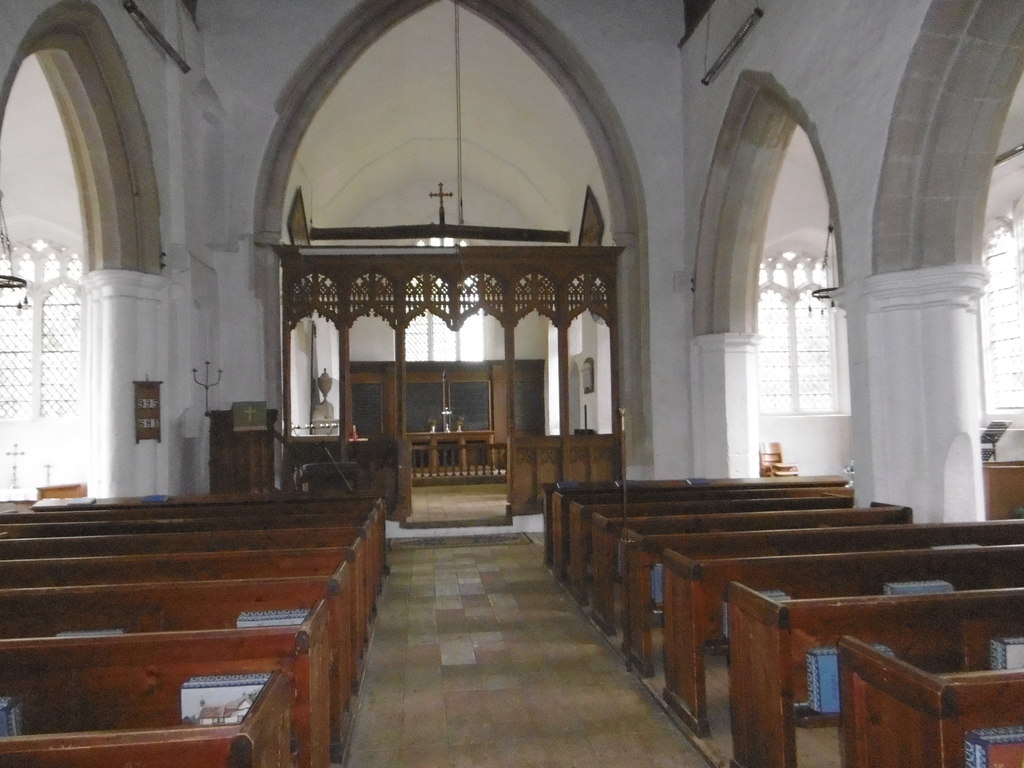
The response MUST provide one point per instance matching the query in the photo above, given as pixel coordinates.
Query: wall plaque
(147, 410)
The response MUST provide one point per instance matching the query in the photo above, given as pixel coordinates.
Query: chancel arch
(581, 89)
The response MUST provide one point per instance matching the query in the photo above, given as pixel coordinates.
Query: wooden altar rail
(459, 460)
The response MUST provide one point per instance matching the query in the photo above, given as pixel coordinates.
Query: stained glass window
(40, 349)
(795, 357)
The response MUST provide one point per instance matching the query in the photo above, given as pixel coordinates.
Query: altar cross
(14, 465)
(441, 195)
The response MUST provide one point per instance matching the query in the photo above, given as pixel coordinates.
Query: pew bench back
(262, 740)
(695, 591)
(771, 640)
(934, 712)
(132, 682)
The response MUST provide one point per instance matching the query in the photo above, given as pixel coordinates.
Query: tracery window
(1003, 317)
(40, 349)
(796, 367)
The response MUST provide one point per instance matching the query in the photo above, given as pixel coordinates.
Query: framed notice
(147, 410)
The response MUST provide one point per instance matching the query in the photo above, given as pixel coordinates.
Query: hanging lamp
(827, 294)
(12, 282)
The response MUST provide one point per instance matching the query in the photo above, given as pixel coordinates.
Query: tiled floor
(479, 660)
(447, 504)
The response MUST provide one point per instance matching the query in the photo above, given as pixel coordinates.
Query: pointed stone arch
(944, 133)
(556, 55)
(106, 131)
(752, 144)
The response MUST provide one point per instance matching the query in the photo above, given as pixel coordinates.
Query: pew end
(263, 739)
(934, 711)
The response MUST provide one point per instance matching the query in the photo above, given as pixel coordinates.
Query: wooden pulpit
(241, 460)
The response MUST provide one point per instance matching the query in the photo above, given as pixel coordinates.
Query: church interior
(460, 255)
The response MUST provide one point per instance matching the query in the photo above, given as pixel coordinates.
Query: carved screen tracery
(371, 293)
(428, 293)
(535, 292)
(588, 292)
(507, 282)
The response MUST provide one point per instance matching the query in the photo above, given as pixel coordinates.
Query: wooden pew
(769, 641)
(695, 591)
(898, 715)
(200, 566)
(606, 532)
(641, 553)
(261, 740)
(227, 533)
(579, 536)
(557, 521)
(367, 513)
(610, 534)
(313, 534)
(370, 567)
(185, 507)
(191, 606)
(596, 565)
(140, 506)
(363, 564)
(113, 683)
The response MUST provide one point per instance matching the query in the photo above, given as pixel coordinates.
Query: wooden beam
(427, 231)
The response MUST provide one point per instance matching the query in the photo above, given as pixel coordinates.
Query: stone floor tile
(480, 660)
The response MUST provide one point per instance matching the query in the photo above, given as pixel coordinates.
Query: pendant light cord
(458, 115)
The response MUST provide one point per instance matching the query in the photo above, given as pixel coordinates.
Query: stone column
(916, 390)
(126, 320)
(725, 409)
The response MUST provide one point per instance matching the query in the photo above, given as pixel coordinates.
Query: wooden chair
(772, 464)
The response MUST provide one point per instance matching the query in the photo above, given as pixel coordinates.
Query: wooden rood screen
(505, 282)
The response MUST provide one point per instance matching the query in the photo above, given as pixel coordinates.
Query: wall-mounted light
(155, 34)
(730, 49)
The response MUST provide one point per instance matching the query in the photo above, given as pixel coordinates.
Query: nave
(480, 659)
